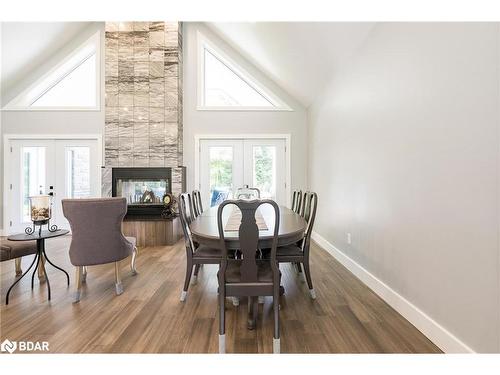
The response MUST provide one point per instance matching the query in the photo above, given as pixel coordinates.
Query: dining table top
(292, 226)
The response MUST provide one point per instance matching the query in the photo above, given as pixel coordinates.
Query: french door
(63, 168)
(227, 164)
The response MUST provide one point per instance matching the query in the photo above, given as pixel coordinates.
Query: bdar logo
(8, 346)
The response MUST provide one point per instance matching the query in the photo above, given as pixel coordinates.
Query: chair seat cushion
(203, 251)
(132, 240)
(233, 275)
(16, 249)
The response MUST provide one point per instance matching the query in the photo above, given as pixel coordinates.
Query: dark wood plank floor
(347, 317)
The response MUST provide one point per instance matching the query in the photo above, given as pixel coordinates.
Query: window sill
(244, 109)
(53, 109)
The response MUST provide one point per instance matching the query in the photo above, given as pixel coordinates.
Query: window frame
(19, 102)
(205, 44)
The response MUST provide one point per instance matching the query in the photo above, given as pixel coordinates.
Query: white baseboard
(444, 339)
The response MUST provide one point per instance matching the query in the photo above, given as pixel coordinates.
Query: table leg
(252, 313)
(37, 255)
(53, 265)
(41, 248)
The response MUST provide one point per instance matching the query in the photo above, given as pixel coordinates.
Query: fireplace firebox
(143, 188)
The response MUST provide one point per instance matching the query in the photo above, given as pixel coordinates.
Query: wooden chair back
(185, 214)
(296, 201)
(247, 193)
(197, 205)
(249, 240)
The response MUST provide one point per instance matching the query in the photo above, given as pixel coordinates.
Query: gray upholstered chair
(97, 236)
(249, 275)
(16, 250)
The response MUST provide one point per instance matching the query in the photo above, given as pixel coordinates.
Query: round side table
(40, 256)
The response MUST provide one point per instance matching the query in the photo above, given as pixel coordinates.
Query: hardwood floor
(347, 317)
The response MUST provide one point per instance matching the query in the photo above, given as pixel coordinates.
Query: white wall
(54, 122)
(238, 122)
(404, 154)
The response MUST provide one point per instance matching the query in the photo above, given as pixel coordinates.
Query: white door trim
(6, 162)
(286, 136)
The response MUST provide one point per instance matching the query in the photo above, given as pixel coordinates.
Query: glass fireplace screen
(142, 191)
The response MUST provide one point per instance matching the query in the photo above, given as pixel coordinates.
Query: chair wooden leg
(189, 271)
(195, 276)
(276, 311)
(78, 283)
(118, 279)
(307, 273)
(133, 260)
(84, 274)
(222, 321)
(298, 268)
(19, 270)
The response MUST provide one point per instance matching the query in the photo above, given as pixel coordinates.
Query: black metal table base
(39, 256)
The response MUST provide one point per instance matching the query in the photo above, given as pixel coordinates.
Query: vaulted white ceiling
(27, 44)
(298, 56)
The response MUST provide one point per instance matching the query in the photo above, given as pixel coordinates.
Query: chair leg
(78, 283)
(276, 338)
(222, 321)
(118, 279)
(307, 273)
(19, 270)
(298, 268)
(84, 274)
(195, 276)
(189, 271)
(132, 262)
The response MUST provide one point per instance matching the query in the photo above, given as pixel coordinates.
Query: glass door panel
(220, 169)
(63, 168)
(77, 171)
(264, 170)
(29, 174)
(265, 167)
(226, 165)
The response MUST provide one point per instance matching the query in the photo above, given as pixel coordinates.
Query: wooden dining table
(205, 231)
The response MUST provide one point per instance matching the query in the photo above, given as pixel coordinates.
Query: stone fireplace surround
(143, 85)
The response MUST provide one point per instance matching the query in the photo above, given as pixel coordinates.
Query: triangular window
(72, 84)
(224, 85)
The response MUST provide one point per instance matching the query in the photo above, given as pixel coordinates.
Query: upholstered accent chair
(17, 250)
(97, 237)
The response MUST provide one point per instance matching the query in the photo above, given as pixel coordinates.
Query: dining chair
(296, 200)
(97, 238)
(248, 276)
(196, 254)
(197, 205)
(247, 193)
(299, 253)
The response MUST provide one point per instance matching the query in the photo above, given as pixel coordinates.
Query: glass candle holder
(41, 210)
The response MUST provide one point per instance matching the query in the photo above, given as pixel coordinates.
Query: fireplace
(143, 188)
